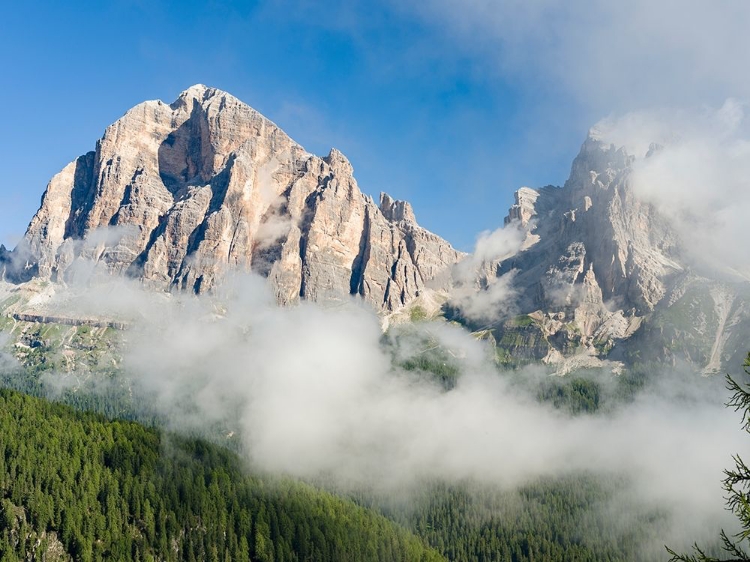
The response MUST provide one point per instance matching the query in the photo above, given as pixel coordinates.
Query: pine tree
(736, 486)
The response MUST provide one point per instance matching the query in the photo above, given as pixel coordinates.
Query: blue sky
(450, 105)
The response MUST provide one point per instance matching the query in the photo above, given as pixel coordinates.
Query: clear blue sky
(432, 104)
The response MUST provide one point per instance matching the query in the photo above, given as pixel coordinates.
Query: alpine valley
(581, 301)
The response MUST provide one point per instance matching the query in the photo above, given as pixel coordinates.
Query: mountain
(602, 278)
(178, 195)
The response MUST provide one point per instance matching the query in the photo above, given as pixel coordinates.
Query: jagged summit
(595, 221)
(396, 211)
(597, 134)
(600, 269)
(203, 93)
(178, 195)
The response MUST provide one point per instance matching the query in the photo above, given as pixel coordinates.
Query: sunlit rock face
(595, 223)
(601, 274)
(180, 194)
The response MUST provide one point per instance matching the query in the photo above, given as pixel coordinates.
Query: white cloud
(608, 55)
(699, 179)
(478, 293)
(498, 244)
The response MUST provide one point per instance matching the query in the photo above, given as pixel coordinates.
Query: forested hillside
(76, 486)
(552, 520)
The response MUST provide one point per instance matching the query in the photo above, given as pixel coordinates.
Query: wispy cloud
(698, 176)
(608, 55)
(478, 293)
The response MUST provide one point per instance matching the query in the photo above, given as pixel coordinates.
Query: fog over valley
(456, 281)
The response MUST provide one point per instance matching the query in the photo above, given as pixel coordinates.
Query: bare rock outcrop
(616, 255)
(602, 274)
(595, 222)
(524, 208)
(179, 194)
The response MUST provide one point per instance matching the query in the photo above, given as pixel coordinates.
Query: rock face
(5, 258)
(595, 223)
(178, 195)
(524, 208)
(600, 273)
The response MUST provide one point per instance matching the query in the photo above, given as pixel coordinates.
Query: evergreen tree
(736, 486)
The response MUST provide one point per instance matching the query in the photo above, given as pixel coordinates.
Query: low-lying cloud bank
(313, 391)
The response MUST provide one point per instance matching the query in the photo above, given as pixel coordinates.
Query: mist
(317, 392)
(8, 363)
(477, 292)
(693, 165)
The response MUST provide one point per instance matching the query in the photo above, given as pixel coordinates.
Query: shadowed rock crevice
(220, 185)
(136, 269)
(219, 188)
(186, 156)
(127, 197)
(308, 215)
(81, 195)
(356, 283)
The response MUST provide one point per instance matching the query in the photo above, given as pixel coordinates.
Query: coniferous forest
(78, 486)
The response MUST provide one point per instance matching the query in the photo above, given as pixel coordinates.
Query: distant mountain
(601, 275)
(178, 195)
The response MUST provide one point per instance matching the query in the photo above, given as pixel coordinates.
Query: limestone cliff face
(601, 273)
(595, 222)
(179, 194)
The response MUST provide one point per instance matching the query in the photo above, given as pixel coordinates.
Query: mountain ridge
(178, 195)
(600, 270)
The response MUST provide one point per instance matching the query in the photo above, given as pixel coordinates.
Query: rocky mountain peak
(337, 161)
(595, 261)
(600, 276)
(396, 211)
(203, 95)
(597, 165)
(200, 92)
(179, 194)
(629, 246)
